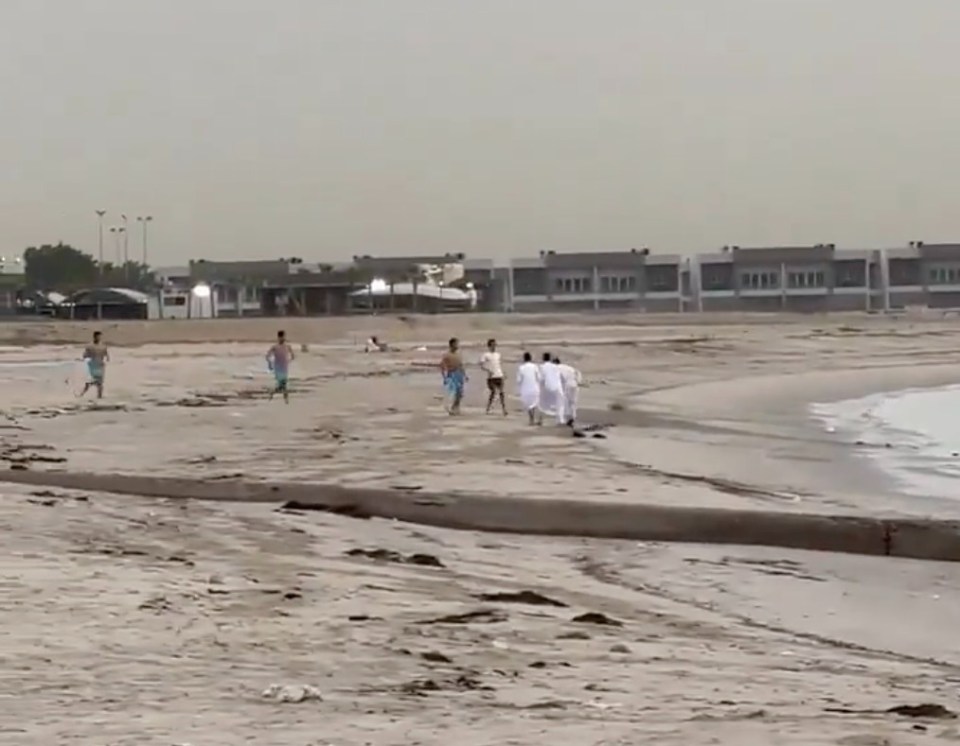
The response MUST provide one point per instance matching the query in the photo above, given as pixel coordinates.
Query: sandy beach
(133, 620)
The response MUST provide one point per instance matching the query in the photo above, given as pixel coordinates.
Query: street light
(126, 250)
(100, 214)
(144, 220)
(117, 231)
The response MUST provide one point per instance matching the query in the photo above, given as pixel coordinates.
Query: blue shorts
(454, 383)
(280, 376)
(96, 371)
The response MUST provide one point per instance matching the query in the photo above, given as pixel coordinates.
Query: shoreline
(748, 418)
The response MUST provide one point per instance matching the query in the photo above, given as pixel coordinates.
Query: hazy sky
(324, 128)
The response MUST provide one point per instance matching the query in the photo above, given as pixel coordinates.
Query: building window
(760, 280)
(944, 276)
(618, 283)
(714, 277)
(662, 279)
(573, 285)
(850, 275)
(806, 280)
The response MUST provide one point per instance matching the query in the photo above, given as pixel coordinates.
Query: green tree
(64, 268)
(130, 275)
(59, 266)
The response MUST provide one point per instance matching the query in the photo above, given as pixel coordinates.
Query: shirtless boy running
(97, 357)
(279, 357)
(454, 376)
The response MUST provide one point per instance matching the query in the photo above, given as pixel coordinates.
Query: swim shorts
(495, 384)
(95, 370)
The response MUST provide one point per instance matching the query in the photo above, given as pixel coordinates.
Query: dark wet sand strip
(910, 538)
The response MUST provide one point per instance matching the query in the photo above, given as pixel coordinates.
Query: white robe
(571, 379)
(528, 385)
(552, 401)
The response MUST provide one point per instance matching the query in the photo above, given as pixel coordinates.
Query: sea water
(912, 435)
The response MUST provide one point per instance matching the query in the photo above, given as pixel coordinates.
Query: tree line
(64, 268)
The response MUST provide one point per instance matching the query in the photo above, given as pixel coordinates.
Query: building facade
(802, 279)
(923, 275)
(790, 278)
(585, 281)
(237, 285)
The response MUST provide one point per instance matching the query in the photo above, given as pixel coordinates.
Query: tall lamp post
(126, 250)
(144, 220)
(118, 231)
(100, 214)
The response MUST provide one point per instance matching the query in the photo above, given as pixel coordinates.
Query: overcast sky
(324, 128)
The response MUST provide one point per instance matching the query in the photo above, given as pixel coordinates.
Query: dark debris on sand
(483, 616)
(350, 510)
(927, 711)
(595, 617)
(465, 682)
(522, 597)
(388, 555)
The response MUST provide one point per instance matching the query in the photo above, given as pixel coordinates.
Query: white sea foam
(913, 435)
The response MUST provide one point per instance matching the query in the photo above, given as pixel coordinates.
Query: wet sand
(132, 620)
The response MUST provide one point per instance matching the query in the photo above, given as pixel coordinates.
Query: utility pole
(100, 214)
(118, 232)
(126, 251)
(144, 220)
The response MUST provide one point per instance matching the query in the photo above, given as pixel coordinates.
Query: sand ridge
(937, 540)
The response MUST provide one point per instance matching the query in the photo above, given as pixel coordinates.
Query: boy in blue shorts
(96, 356)
(279, 357)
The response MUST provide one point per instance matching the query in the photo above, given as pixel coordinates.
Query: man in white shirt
(551, 390)
(491, 365)
(570, 379)
(528, 385)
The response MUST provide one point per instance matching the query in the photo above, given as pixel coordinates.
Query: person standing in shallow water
(454, 376)
(279, 357)
(490, 363)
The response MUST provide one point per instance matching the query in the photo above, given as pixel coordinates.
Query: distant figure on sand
(97, 357)
(454, 376)
(279, 357)
(375, 345)
(491, 365)
(570, 379)
(528, 386)
(551, 390)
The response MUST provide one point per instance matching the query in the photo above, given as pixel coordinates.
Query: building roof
(422, 290)
(108, 296)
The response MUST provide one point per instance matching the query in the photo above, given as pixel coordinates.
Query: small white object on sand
(292, 693)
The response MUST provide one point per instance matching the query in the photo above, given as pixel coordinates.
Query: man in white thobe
(570, 379)
(528, 386)
(552, 402)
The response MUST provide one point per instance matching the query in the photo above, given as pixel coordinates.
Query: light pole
(100, 214)
(144, 220)
(126, 250)
(117, 232)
